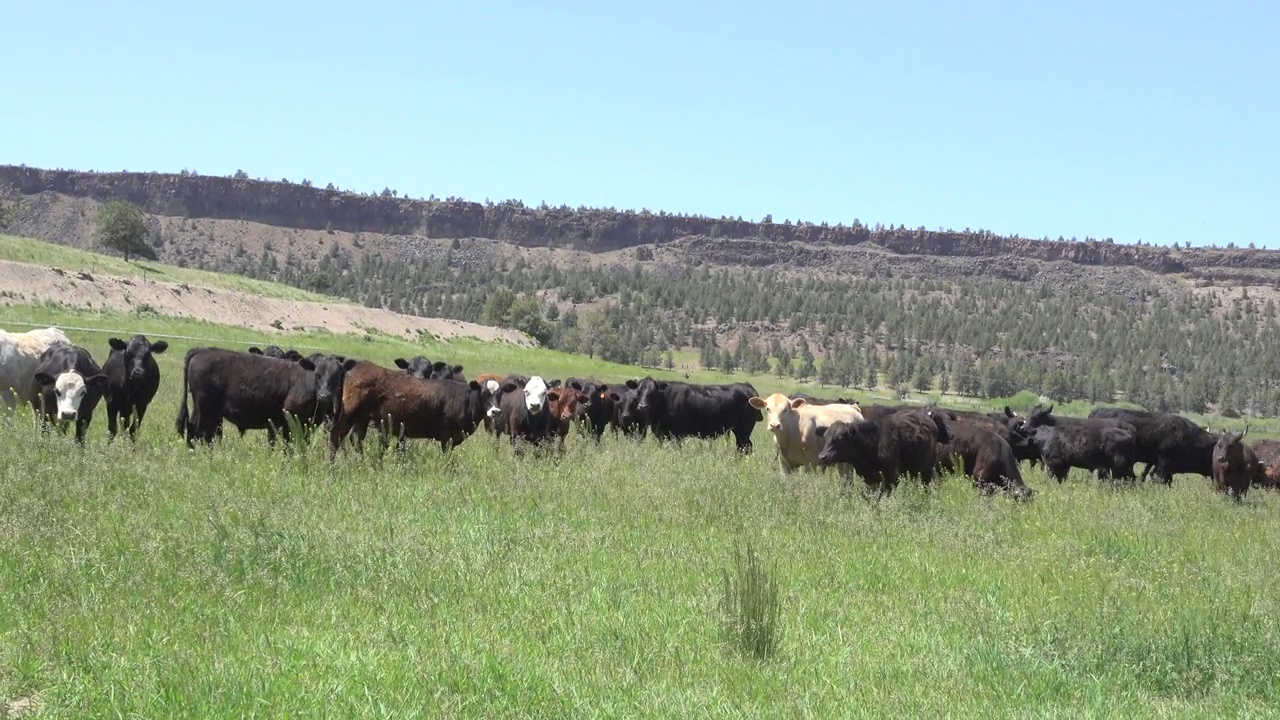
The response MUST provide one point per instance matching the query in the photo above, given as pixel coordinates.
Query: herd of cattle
(271, 389)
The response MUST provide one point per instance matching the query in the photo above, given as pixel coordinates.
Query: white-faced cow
(71, 386)
(133, 377)
(794, 424)
(19, 355)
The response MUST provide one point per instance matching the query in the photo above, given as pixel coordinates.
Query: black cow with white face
(71, 386)
(133, 377)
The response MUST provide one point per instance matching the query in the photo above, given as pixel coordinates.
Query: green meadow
(237, 580)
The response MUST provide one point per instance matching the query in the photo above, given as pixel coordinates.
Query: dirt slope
(24, 283)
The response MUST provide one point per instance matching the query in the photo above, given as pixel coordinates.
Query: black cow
(873, 412)
(1234, 465)
(424, 369)
(627, 417)
(254, 392)
(601, 403)
(274, 351)
(986, 457)
(1169, 444)
(1108, 450)
(71, 386)
(1012, 429)
(526, 411)
(677, 410)
(1041, 416)
(443, 410)
(133, 377)
(882, 449)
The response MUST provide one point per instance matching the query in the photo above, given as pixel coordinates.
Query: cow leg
(1057, 471)
(81, 427)
(135, 420)
(112, 411)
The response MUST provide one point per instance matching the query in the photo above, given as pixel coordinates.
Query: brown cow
(566, 405)
(1234, 465)
(1267, 472)
(881, 449)
(442, 410)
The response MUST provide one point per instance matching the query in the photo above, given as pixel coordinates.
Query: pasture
(154, 581)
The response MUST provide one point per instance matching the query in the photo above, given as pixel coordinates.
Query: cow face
(419, 367)
(1040, 416)
(330, 374)
(441, 370)
(649, 395)
(535, 394)
(137, 351)
(567, 404)
(492, 391)
(842, 442)
(70, 389)
(779, 410)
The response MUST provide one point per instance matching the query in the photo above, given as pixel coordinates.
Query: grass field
(38, 252)
(158, 582)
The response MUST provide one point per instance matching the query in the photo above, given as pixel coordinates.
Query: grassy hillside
(38, 252)
(158, 582)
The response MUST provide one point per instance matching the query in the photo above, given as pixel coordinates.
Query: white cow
(19, 353)
(794, 425)
(535, 394)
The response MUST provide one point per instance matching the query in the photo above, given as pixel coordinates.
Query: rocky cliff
(302, 206)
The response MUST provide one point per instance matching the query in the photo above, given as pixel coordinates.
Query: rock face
(291, 205)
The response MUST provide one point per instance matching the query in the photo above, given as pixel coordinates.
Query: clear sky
(1133, 120)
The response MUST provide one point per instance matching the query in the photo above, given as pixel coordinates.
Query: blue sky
(1141, 120)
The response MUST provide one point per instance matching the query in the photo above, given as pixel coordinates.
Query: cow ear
(44, 378)
(553, 396)
(633, 384)
(402, 363)
(1008, 412)
(757, 403)
(158, 347)
(457, 369)
(602, 388)
(799, 402)
(474, 385)
(255, 350)
(663, 385)
(307, 364)
(510, 387)
(348, 365)
(439, 365)
(117, 344)
(97, 381)
(614, 397)
(820, 431)
(576, 385)
(1049, 409)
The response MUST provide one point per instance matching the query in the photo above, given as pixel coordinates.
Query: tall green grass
(153, 581)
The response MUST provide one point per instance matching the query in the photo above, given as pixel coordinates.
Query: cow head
(70, 390)
(441, 370)
(1039, 416)
(649, 395)
(136, 352)
(567, 404)
(779, 410)
(419, 366)
(936, 415)
(491, 391)
(535, 394)
(842, 441)
(330, 373)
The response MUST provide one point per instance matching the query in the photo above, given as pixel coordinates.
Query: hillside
(851, 306)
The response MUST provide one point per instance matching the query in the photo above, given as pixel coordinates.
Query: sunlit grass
(158, 582)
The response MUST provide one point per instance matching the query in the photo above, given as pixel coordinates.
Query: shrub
(750, 605)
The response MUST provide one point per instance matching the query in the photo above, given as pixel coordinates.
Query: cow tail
(183, 414)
